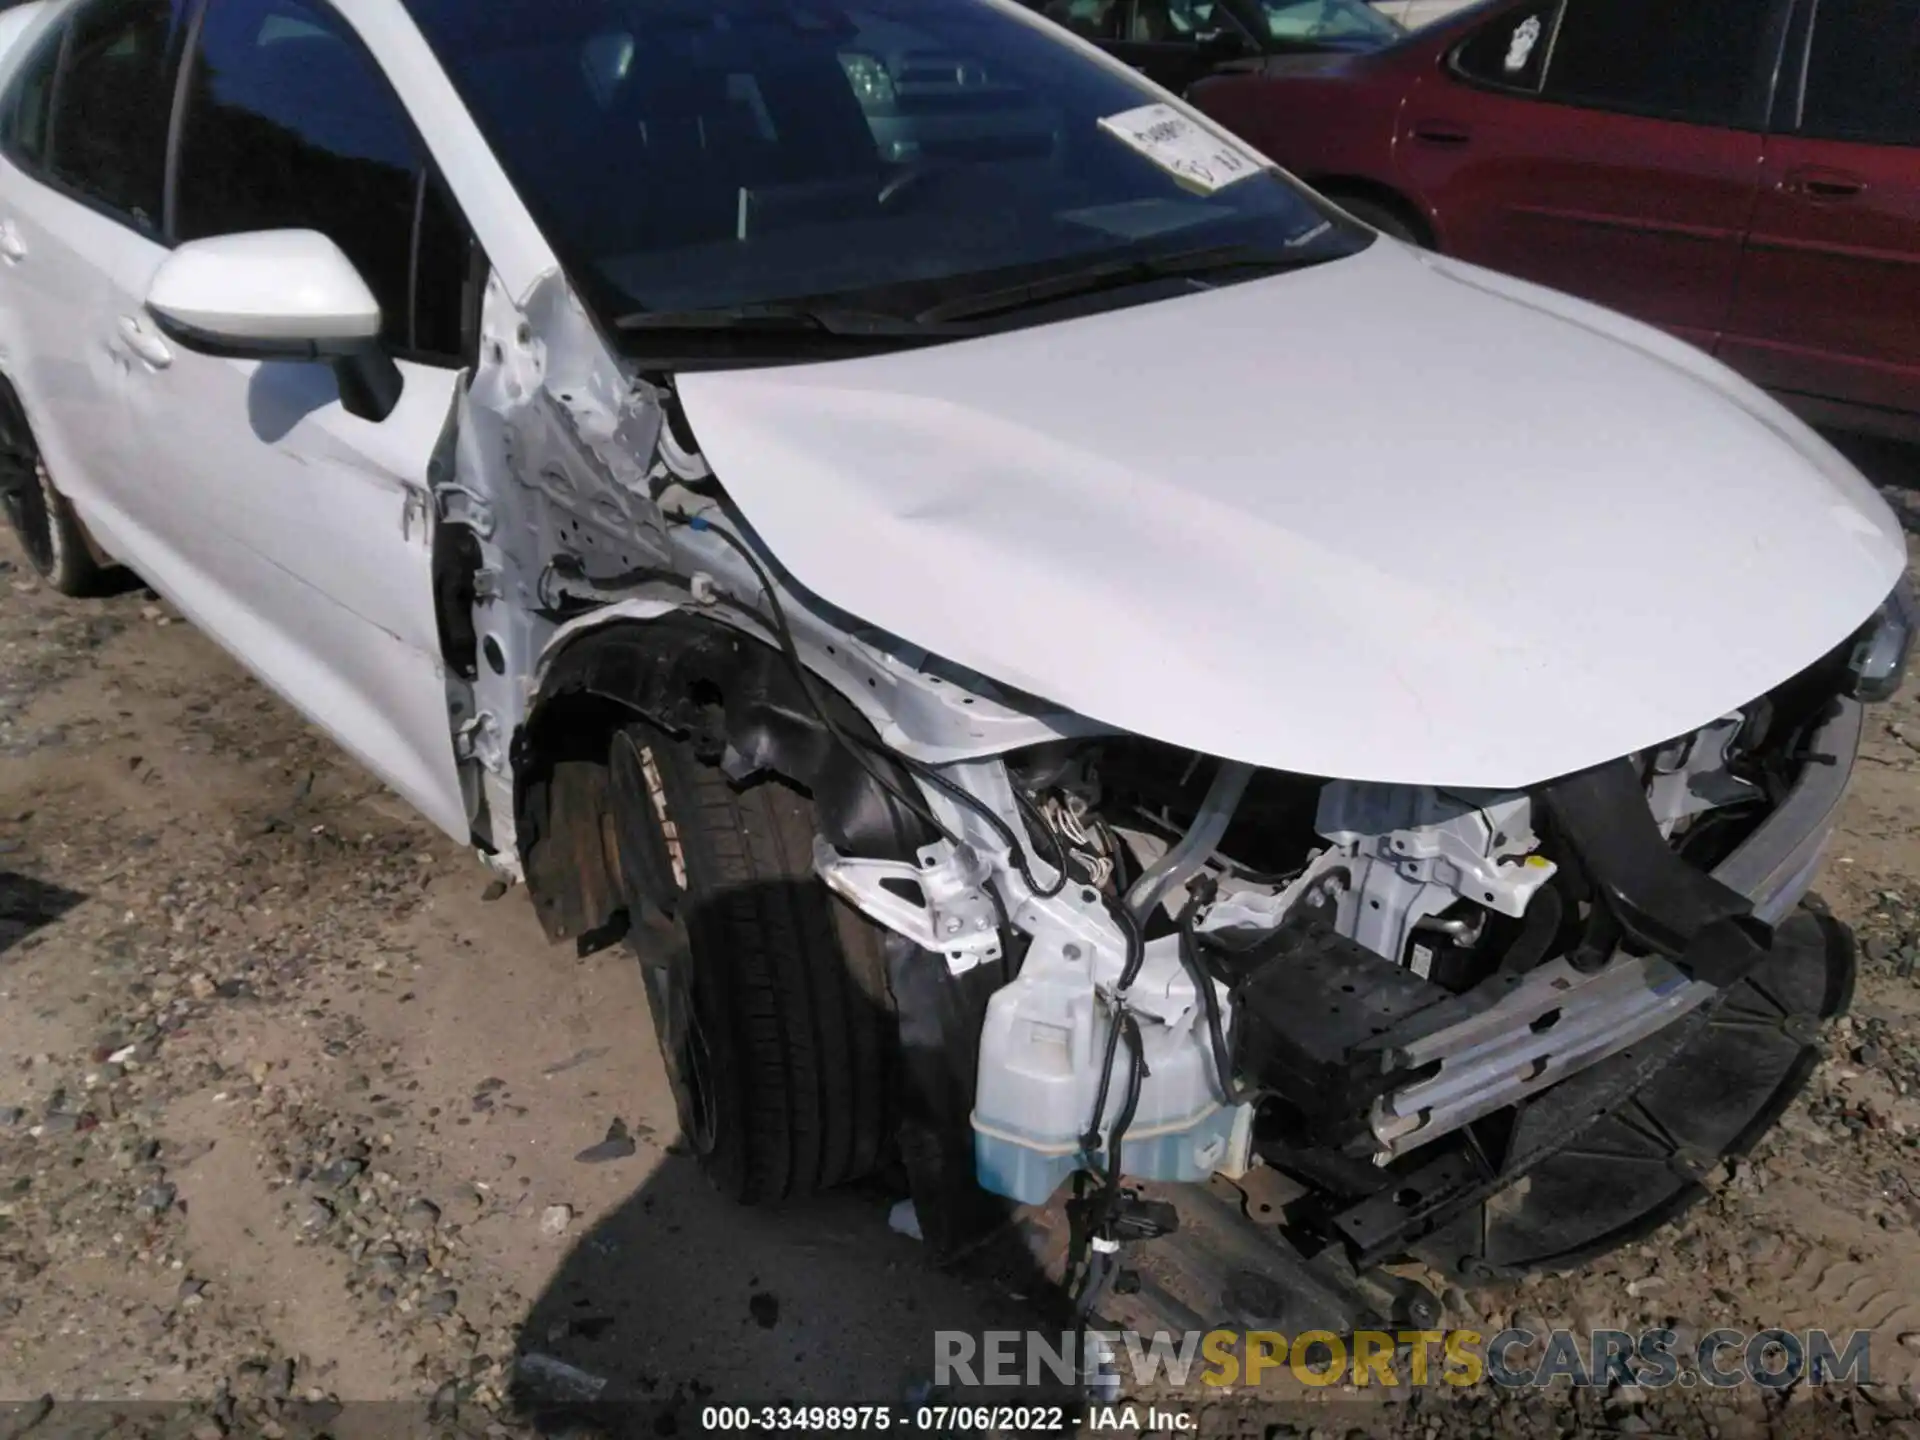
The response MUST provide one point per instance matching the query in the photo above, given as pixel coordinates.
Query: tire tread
(802, 977)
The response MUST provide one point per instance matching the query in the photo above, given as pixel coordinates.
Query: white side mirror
(278, 295)
(275, 291)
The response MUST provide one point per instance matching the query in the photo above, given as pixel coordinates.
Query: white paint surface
(15, 22)
(269, 285)
(1568, 537)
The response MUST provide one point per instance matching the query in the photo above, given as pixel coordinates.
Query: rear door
(1829, 295)
(1609, 148)
(85, 140)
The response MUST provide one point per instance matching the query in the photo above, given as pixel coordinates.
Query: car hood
(1389, 518)
(15, 21)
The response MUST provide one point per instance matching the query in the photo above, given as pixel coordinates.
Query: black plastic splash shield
(1579, 1179)
(1661, 901)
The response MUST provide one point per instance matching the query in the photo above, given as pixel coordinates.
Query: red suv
(1745, 173)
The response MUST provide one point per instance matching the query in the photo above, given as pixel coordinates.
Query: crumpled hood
(1390, 518)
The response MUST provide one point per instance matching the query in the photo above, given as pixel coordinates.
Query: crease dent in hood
(1389, 518)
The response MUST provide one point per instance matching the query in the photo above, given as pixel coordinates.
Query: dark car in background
(1744, 173)
(1176, 42)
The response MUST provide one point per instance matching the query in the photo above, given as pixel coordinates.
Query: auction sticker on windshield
(1197, 157)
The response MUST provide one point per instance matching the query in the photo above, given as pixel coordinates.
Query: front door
(304, 532)
(1829, 295)
(1609, 148)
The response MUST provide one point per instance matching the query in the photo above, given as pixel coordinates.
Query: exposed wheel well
(734, 698)
(1342, 188)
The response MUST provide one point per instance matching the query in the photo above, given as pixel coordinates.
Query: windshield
(697, 155)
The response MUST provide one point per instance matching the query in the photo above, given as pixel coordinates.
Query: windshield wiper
(1116, 274)
(939, 321)
(775, 318)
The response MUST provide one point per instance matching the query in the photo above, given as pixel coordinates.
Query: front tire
(51, 534)
(769, 995)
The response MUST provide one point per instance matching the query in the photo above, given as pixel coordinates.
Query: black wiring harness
(1200, 893)
(1111, 1214)
(859, 747)
(862, 750)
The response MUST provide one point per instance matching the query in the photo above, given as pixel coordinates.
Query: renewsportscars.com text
(1510, 1358)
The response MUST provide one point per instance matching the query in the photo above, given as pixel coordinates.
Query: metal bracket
(939, 904)
(458, 505)
(1480, 848)
(479, 740)
(1691, 775)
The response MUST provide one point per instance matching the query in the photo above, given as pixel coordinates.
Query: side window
(1089, 19)
(1861, 69)
(112, 98)
(1695, 61)
(446, 277)
(289, 124)
(1156, 22)
(1178, 22)
(1512, 51)
(1192, 19)
(23, 127)
(1326, 20)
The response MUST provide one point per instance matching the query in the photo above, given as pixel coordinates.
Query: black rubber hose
(1129, 925)
(1136, 957)
(1090, 1141)
(1004, 923)
(1137, 1074)
(1210, 1004)
(1093, 1286)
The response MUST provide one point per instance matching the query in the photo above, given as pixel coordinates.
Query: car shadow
(282, 393)
(27, 905)
(1892, 465)
(680, 1299)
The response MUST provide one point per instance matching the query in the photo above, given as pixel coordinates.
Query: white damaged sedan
(885, 510)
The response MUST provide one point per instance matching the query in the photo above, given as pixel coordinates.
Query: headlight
(1879, 659)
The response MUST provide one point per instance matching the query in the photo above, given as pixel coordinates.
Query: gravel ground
(298, 1111)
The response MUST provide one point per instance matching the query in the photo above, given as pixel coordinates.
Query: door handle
(142, 342)
(1441, 132)
(12, 248)
(1817, 183)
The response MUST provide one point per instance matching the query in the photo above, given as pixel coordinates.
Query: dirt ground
(296, 1111)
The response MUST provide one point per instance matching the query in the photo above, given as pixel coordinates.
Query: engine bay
(1203, 967)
